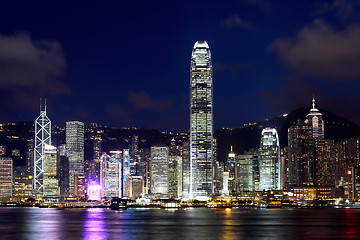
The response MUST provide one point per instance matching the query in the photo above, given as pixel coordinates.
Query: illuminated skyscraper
(42, 137)
(51, 181)
(314, 118)
(201, 122)
(159, 170)
(126, 170)
(6, 177)
(110, 174)
(269, 160)
(75, 150)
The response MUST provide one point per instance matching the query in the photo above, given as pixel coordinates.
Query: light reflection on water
(95, 224)
(202, 223)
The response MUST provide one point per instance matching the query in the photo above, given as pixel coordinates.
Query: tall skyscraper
(110, 174)
(245, 166)
(126, 170)
(159, 165)
(314, 118)
(6, 177)
(269, 160)
(42, 137)
(301, 155)
(51, 180)
(75, 150)
(201, 122)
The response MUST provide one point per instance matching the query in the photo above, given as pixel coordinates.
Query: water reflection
(235, 223)
(95, 224)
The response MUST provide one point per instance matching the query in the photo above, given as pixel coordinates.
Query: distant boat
(352, 204)
(261, 204)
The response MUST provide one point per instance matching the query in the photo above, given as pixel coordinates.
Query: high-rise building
(314, 118)
(42, 137)
(51, 180)
(325, 164)
(201, 122)
(175, 177)
(126, 171)
(301, 155)
(231, 168)
(159, 168)
(23, 186)
(6, 177)
(110, 175)
(269, 160)
(75, 150)
(245, 168)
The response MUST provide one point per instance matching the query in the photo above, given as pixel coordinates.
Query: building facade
(201, 122)
(110, 175)
(75, 150)
(51, 180)
(269, 160)
(6, 177)
(159, 170)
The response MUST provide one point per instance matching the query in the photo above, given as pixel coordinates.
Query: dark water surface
(202, 223)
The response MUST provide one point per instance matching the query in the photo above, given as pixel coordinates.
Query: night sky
(127, 63)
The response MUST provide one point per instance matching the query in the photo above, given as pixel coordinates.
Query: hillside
(244, 138)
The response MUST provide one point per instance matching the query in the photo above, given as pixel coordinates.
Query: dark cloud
(143, 101)
(297, 92)
(30, 69)
(320, 51)
(235, 21)
(341, 9)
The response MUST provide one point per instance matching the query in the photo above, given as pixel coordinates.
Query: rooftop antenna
(313, 101)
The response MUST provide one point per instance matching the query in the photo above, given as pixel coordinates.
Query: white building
(159, 167)
(269, 160)
(201, 122)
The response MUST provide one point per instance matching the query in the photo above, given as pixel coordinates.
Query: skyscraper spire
(313, 102)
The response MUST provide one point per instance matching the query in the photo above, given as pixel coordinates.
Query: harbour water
(193, 223)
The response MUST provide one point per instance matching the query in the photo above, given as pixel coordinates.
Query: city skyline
(85, 59)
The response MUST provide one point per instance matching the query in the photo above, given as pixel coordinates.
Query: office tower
(325, 164)
(126, 170)
(201, 122)
(218, 169)
(135, 157)
(23, 186)
(110, 175)
(174, 176)
(80, 186)
(6, 177)
(314, 118)
(159, 167)
(94, 165)
(51, 181)
(245, 168)
(300, 155)
(75, 150)
(64, 175)
(230, 167)
(269, 160)
(42, 137)
(134, 186)
(186, 169)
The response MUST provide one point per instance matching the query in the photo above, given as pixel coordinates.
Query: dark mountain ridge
(247, 137)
